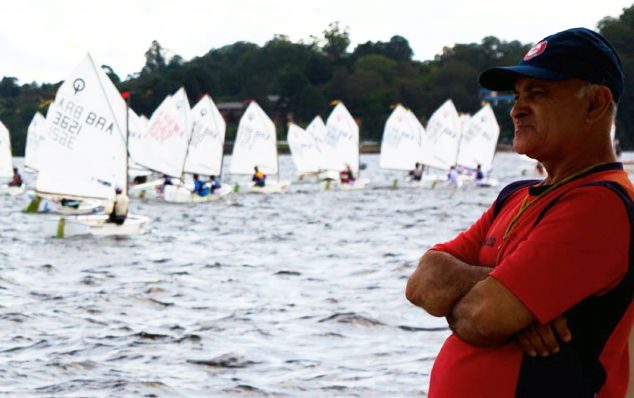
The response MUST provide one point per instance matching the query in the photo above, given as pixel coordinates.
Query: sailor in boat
(346, 176)
(119, 210)
(417, 173)
(479, 176)
(72, 203)
(259, 178)
(199, 187)
(167, 180)
(214, 185)
(453, 177)
(139, 180)
(17, 178)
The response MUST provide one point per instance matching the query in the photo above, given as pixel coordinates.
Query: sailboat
(304, 151)
(478, 144)
(35, 134)
(163, 147)
(35, 148)
(256, 146)
(86, 152)
(441, 141)
(6, 163)
(341, 147)
(204, 153)
(401, 145)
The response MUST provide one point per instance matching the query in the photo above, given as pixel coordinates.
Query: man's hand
(542, 339)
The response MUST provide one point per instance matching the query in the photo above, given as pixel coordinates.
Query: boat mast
(127, 141)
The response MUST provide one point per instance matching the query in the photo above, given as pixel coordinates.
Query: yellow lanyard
(525, 205)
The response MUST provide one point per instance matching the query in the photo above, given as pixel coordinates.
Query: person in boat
(72, 203)
(539, 168)
(214, 184)
(453, 177)
(167, 180)
(119, 211)
(258, 177)
(417, 173)
(17, 179)
(139, 180)
(346, 176)
(199, 187)
(538, 292)
(479, 176)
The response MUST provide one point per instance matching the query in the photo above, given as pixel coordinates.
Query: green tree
(337, 41)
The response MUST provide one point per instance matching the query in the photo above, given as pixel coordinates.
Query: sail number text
(69, 119)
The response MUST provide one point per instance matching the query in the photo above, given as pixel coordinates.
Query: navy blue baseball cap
(574, 53)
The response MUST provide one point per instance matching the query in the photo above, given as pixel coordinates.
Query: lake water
(292, 295)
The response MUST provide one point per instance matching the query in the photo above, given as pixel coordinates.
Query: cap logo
(535, 50)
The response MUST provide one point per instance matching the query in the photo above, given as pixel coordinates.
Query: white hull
(174, 194)
(360, 183)
(329, 175)
(426, 182)
(270, 187)
(150, 190)
(52, 204)
(94, 225)
(5, 189)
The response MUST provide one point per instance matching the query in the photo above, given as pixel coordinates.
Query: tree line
(297, 81)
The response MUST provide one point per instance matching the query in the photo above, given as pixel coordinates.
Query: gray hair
(589, 89)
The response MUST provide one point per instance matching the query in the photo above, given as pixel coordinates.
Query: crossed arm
(479, 309)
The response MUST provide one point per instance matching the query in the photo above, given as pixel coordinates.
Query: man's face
(547, 115)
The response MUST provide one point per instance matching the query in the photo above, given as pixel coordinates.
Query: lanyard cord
(525, 205)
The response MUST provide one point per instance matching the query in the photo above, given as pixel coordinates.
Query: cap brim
(503, 78)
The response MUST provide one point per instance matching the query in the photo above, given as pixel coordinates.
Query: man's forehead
(523, 83)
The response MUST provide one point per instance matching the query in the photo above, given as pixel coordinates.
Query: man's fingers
(538, 340)
(525, 344)
(551, 345)
(560, 326)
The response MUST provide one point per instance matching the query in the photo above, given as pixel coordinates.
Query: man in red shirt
(538, 292)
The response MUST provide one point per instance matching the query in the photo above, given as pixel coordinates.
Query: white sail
(206, 145)
(442, 137)
(85, 149)
(341, 144)
(401, 143)
(136, 133)
(6, 158)
(35, 134)
(304, 150)
(255, 143)
(317, 129)
(479, 140)
(167, 137)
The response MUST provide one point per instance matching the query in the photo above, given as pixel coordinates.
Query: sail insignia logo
(79, 85)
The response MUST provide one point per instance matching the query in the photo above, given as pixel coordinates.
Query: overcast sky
(42, 40)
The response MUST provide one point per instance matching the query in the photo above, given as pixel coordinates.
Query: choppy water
(293, 295)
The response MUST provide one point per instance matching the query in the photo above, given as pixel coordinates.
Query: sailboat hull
(174, 194)
(94, 225)
(7, 190)
(360, 183)
(270, 187)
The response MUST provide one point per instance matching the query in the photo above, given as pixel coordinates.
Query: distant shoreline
(283, 149)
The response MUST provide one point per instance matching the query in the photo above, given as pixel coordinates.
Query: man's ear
(600, 101)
